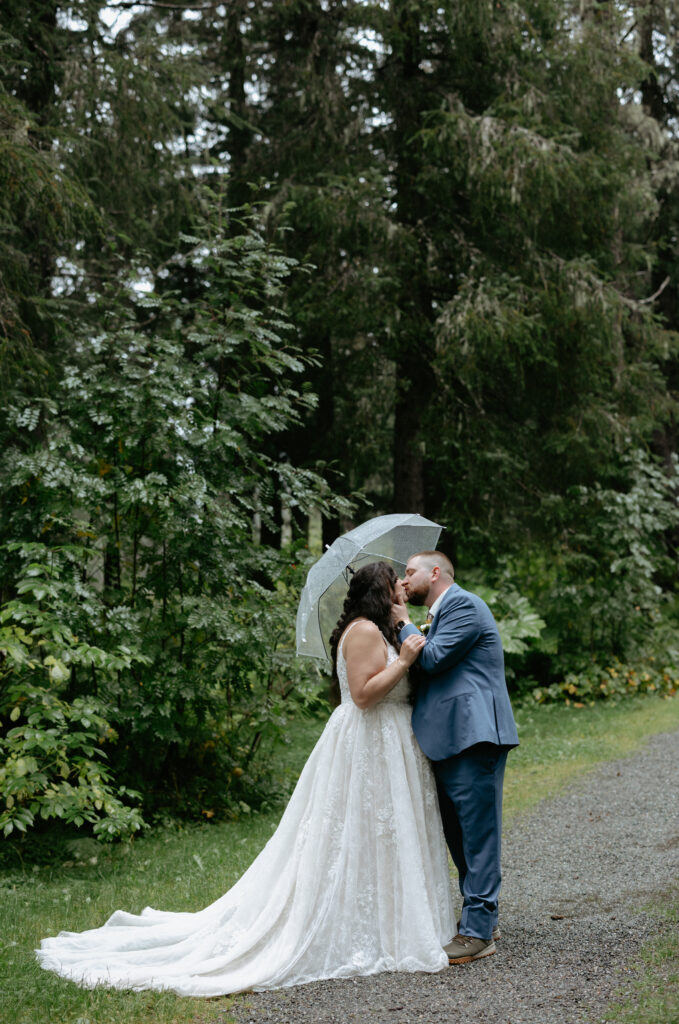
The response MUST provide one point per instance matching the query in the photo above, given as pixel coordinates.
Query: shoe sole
(454, 961)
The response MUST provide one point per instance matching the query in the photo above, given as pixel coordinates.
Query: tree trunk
(239, 134)
(665, 438)
(651, 93)
(414, 346)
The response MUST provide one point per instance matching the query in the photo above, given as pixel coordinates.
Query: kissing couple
(355, 879)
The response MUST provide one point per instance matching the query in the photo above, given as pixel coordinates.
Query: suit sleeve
(456, 633)
(408, 630)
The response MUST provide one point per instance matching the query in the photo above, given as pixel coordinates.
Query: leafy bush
(591, 619)
(516, 619)
(130, 549)
(51, 746)
(603, 591)
(610, 681)
(599, 599)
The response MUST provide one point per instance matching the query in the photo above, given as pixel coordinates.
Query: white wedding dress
(354, 881)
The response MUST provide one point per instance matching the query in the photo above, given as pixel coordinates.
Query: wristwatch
(400, 625)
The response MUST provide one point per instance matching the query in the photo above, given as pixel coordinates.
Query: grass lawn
(185, 869)
(653, 996)
(559, 743)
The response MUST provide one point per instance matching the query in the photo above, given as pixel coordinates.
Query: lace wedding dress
(354, 881)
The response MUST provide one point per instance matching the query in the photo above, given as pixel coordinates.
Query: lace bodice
(398, 695)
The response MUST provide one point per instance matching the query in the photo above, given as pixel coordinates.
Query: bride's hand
(410, 648)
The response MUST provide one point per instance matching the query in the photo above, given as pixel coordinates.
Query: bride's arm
(368, 674)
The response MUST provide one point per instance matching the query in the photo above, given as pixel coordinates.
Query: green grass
(559, 743)
(187, 868)
(653, 995)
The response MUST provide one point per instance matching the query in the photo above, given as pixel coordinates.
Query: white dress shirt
(437, 603)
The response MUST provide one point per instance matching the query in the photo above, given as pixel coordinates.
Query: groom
(463, 721)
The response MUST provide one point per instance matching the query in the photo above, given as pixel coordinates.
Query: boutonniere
(425, 627)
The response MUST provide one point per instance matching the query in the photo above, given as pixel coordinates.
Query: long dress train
(353, 882)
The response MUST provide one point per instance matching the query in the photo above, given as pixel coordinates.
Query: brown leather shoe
(465, 948)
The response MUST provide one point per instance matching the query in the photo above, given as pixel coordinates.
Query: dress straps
(351, 624)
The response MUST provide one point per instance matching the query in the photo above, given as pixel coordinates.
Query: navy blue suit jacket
(462, 696)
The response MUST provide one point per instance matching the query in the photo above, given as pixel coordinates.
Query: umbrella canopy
(392, 539)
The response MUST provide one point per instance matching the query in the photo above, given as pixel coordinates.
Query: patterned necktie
(429, 617)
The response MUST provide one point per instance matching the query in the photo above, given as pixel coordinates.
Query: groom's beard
(416, 597)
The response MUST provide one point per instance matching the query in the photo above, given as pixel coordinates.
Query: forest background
(270, 268)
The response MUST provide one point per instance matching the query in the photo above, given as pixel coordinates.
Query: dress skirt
(354, 881)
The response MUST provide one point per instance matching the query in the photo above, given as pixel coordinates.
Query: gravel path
(577, 874)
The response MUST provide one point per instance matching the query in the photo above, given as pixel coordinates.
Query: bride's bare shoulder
(360, 632)
(363, 625)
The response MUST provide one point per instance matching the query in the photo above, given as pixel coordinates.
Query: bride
(355, 879)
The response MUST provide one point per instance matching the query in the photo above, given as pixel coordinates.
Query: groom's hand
(399, 613)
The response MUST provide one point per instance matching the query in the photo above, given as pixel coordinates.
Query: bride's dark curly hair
(371, 595)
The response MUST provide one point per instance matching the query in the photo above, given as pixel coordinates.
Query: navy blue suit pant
(470, 796)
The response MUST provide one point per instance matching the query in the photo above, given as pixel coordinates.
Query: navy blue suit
(463, 721)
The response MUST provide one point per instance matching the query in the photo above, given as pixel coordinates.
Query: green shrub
(602, 587)
(128, 541)
(594, 614)
(610, 680)
(51, 757)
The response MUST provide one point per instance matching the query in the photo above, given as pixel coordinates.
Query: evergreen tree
(481, 202)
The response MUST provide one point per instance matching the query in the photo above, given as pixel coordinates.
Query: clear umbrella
(392, 539)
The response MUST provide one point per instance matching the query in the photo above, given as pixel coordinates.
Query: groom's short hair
(434, 558)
